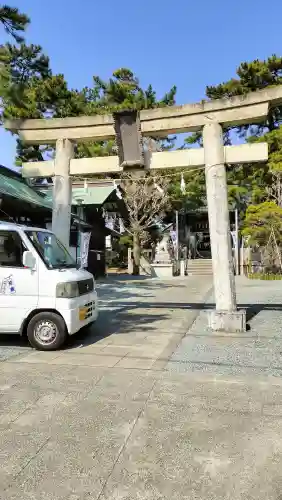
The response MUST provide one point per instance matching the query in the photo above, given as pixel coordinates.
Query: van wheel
(47, 331)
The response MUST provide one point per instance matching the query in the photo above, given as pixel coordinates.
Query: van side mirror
(29, 260)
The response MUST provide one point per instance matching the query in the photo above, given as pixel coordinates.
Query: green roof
(15, 188)
(90, 196)
(12, 187)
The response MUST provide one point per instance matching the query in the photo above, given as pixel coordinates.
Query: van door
(18, 285)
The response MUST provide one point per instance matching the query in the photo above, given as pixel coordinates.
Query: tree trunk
(136, 253)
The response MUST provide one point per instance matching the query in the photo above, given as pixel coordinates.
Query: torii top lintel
(250, 108)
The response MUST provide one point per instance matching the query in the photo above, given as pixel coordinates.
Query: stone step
(200, 267)
(200, 264)
(199, 273)
(192, 270)
(200, 261)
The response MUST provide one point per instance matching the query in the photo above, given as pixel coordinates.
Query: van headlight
(67, 290)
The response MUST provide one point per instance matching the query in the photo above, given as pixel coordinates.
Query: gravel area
(257, 352)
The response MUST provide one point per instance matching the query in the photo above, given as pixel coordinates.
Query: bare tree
(145, 197)
(275, 190)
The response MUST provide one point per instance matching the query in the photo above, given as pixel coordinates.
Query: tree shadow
(125, 307)
(121, 323)
(125, 322)
(10, 340)
(114, 294)
(254, 309)
(118, 312)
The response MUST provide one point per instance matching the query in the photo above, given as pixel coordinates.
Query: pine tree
(252, 76)
(13, 21)
(251, 183)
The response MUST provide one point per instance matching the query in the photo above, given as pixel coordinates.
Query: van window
(51, 250)
(11, 249)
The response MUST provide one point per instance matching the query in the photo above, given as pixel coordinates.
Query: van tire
(47, 331)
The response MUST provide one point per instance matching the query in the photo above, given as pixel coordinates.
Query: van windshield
(51, 250)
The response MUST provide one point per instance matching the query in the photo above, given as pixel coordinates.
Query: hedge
(263, 276)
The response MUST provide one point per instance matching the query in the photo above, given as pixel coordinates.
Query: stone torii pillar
(225, 316)
(62, 191)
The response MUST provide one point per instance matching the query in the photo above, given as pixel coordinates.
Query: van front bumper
(83, 311)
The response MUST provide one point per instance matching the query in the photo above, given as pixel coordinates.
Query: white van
(42, 293)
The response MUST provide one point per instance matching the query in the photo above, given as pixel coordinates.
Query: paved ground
(110, 418)
(257, 352)
(141, 322)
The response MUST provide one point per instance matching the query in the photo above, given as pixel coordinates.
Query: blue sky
(186, 43)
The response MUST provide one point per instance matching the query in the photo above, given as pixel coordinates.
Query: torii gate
(128, 127)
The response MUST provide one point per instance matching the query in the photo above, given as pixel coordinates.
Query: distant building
(19, 202)
(101, 212)
(96, 208)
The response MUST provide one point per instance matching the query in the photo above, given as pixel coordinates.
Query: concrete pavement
(107, 418)
(140, 319)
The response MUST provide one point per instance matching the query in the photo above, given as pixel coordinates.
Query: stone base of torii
(128, 128)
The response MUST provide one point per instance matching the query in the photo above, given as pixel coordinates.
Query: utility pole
(236, 241)
(80, 215)
(177, 235)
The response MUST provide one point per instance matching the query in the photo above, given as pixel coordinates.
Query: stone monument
(162, 263)
(163, 255)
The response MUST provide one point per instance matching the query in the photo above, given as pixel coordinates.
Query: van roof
(11, 226)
